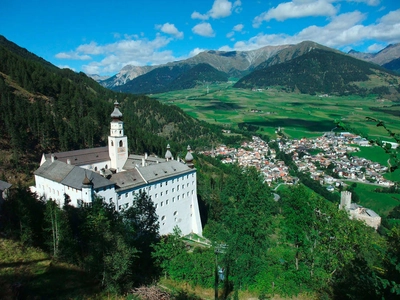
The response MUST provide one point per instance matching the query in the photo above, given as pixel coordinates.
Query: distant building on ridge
(358, 212)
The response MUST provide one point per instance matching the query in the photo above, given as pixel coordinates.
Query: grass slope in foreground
(300, 115)
(29, 272)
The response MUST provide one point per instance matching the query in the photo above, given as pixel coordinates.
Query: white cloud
(204, 29)
(238, 27)
(375, 48)
(237, 6)
(296, 9)
(220, 9)
(368, 2)
(197, 15)
(196, 51)
(72, 55)
(112, 57)
(170, 29)
(66, 67)
(343, 30)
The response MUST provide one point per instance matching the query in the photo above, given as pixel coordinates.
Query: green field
(298, 115)
(375, 154)
(381, 203)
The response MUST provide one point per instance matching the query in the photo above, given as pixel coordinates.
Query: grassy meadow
(298, 115)
(381, 203)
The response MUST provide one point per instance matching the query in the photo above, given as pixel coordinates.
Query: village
(325, 158)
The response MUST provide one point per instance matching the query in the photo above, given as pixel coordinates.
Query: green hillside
(197, 76)
(154, 81)
(44, 109)
(171, 78)
(321, 71)
(393, 65)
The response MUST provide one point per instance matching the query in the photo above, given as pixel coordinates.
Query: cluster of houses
(311, 156)
(330, 151)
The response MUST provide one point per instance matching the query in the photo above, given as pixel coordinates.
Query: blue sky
(101, 37)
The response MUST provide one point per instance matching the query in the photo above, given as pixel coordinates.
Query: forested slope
(43, 108)
(321, 71)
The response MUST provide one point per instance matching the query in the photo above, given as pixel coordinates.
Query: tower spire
(117, 141)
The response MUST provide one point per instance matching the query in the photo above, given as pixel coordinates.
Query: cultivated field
(299, 115)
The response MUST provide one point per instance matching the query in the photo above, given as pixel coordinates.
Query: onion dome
(189, 158)
(86, 181)
(116, 114)
(168, 154)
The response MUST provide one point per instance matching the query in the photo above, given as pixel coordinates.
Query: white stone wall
(49, 189)
(175, 200)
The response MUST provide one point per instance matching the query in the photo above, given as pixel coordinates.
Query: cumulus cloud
(112, 57)
(66, 67)
(170, 29)
(368, 2)
(238, 27)
(296, 9)
(204, 29)
(220, 9)
(375, 48)
(343, 30)
(72, 55)
(196, 51)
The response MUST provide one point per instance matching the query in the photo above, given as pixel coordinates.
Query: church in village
(117, 177)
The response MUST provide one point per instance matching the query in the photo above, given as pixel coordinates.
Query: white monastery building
(111, 173)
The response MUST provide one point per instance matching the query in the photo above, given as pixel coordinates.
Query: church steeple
(117, 126)
(117, 141)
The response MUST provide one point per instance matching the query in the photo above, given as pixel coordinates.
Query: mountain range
(242, 64)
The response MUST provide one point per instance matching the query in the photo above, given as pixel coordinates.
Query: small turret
(168, 154)
(87, 189)
(189, 158)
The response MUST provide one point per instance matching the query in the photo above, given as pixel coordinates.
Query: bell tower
(117, 141)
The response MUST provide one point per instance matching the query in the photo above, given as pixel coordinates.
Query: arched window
(112, 143)
(121, 144)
